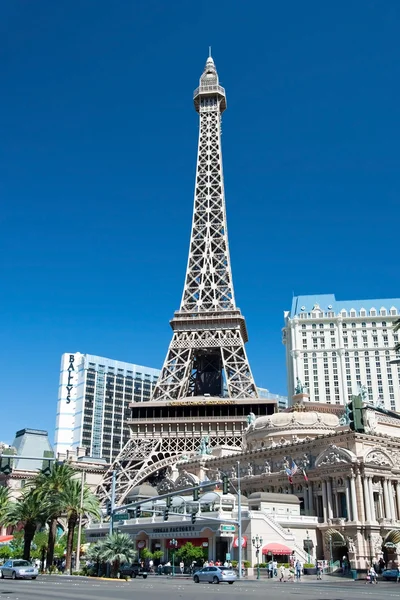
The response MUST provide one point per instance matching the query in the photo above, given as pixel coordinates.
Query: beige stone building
(347, 481)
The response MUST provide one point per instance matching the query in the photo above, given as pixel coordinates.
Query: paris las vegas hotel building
(333, 347)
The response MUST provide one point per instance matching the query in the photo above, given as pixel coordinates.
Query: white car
(18, 569)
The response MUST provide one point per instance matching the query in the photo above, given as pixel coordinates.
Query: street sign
(228, 528)
(120, 516)
(228, 556)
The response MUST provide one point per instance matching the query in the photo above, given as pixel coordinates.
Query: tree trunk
(29, 532)
(115, 567)
(70, 542)
(51, 542)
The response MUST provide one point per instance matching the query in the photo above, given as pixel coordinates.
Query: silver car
(18, 569)
(215, 575)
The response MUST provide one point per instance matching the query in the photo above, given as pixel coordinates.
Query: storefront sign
(141, 544)
(69, 385)
(236, 542)
(199, 402)
(177, 529)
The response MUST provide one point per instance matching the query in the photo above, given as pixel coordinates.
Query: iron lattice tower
(209, 331)
(206, 388)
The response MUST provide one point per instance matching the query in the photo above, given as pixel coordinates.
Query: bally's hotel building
(93, 402)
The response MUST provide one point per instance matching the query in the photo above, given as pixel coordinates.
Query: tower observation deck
(206, 387)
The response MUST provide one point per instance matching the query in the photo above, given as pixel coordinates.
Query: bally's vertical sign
(70, 377)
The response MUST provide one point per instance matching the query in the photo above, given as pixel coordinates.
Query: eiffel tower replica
(206, 391)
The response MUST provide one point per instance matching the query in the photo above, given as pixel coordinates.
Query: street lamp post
(257, 543)
(173, 543)
(308, 547)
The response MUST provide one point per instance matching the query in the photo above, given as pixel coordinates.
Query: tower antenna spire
(209, 51)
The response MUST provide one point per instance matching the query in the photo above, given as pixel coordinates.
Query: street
(154, 588)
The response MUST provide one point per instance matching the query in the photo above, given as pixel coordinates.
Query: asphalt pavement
(161, 588)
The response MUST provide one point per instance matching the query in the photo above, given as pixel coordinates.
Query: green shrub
(286, 565)
(308, 566)
(263, 565)
(246, 564)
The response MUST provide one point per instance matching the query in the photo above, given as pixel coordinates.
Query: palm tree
(74, 506)
(50, 487)
(95, 553)
(4, 503)
(118, 548)
(29, 511)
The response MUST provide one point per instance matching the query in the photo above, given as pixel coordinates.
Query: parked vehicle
(388, 574)
(133, 570)
(215, 575)
(18, 569)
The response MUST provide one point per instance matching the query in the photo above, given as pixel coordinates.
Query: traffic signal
(355, 414)
(193, 518)
(168, 501)
(46, 470)
(195, 495)
(108, 508)
(5, 466)
(226, 486)
(166, 513)
(138, 512)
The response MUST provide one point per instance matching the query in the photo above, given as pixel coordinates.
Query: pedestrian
(270, 571)
(291, 574)
(282, 572)
(398, 574)
(298, 570)
(275, 568)
(182, 566)
(319, 570)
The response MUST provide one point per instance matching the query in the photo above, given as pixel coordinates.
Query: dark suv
(133, 570)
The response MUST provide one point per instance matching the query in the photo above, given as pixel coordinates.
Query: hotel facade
(334, 347)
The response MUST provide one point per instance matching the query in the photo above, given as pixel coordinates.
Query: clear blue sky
(97, 159)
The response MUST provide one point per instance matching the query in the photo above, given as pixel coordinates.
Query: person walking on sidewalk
(282, 573)
(319, 570)
(270, 569)
(298, 570)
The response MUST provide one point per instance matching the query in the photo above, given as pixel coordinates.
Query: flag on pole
(305, 474)
(289, 474)
(295, 468)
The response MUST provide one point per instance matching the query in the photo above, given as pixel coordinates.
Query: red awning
(4, 539)
(276, 549)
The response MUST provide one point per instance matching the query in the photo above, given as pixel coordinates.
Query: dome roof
(290, 427)
(295, 418)
(144, 491)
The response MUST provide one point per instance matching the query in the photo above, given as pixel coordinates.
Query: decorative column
(366, 499)
(311, 498)
(391, 501)
(398, 498)
(348, 503)
(329, 495)
(324, 501)
(371, 499)
(386, 499)
(354, 511)
(360, 496)
(305, 498)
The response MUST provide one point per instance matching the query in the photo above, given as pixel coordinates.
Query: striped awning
(393, 537)
(278, 549)
(5, 539)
